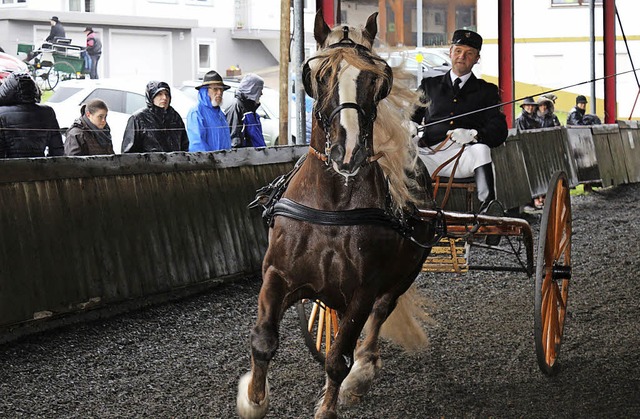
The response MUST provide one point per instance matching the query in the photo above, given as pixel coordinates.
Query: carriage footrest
(448, 255)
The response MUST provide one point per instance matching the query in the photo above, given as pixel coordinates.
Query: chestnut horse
(343, 231)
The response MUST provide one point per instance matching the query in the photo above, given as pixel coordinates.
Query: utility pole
(285, 35)
(298, 42)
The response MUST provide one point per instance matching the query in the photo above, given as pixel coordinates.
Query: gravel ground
(182, 360)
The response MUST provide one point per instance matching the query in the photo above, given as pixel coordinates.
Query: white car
(123, 97)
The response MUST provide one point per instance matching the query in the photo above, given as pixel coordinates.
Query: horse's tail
(405, 325)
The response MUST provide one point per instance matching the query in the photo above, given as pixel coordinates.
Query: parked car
(434, 61)
(10, 64)
(268, 110)
(122, 96)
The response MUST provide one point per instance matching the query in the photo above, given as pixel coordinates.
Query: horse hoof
(357, 383)
(246, 408)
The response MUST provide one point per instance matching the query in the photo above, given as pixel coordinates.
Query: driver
(455, 93)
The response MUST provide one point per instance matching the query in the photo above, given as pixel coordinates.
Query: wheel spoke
(327, 333)
(319, 331)
(312, 316)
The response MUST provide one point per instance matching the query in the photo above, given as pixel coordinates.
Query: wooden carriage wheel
(553, 273)
(319, 325)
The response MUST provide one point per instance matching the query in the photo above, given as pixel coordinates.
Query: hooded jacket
(244, 122)
(27, 128)
(207, 126)
(548, 118)
(154, 129)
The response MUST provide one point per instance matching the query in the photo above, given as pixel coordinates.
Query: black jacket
(437, 93)
(26, 127)
(579, 116)
(57, 31)
(154, 129)
(527, 121)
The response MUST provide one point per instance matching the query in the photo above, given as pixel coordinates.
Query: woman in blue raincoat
(207, 126)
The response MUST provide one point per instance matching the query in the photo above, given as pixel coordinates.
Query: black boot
(487, 197)
(485, 185)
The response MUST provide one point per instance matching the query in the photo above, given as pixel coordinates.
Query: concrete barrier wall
(85, 232)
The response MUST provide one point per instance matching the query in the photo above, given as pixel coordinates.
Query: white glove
(463, 135)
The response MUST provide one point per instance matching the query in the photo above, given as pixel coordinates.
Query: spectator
(57, 30)
(459, 92)
(546, 115)
(244, 122)
(89, 134)
(156, 128)
(94, 51)
(528, 119)
(27, 129)
(207, 125)
(577, 115)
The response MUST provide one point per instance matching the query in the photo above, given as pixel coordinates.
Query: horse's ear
(320, 30)
(371, 28)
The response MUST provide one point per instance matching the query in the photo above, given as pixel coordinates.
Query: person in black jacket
(528, 118)
(546, 111)
(27, 129)
(57, 30)
(448, 98)
(578, 116)
(244, 121)
(89, 134)
(158, 127)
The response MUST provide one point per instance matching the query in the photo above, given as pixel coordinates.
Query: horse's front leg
(367, 358)
(340, 358)
(253, 388)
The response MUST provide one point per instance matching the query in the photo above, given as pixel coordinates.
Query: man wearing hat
(94, 50)
(577, 114)
(207, 125)
(470, 118)
(57, 30)
(528, 119)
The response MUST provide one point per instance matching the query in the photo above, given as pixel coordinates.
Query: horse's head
(347, 80)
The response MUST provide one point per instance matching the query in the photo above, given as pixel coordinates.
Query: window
(82, 6)
(13, 1)
(206, 55)
(113, 98)
(133, 102)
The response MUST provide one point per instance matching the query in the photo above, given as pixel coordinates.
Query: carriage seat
(467, 185)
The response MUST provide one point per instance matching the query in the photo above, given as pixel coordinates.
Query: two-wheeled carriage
(465, 231)
(52, 63)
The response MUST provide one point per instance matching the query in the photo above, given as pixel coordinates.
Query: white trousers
(473, 156)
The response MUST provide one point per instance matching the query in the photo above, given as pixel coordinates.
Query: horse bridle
(367, 130)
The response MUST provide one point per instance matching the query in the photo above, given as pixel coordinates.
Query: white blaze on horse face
(347, 91)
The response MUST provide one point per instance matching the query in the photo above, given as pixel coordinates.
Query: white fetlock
(246, 408)
(357, 383)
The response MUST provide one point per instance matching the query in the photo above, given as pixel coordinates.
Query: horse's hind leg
(367, 358)
(253, 388)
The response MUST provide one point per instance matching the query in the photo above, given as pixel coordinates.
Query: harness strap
(375, 216)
